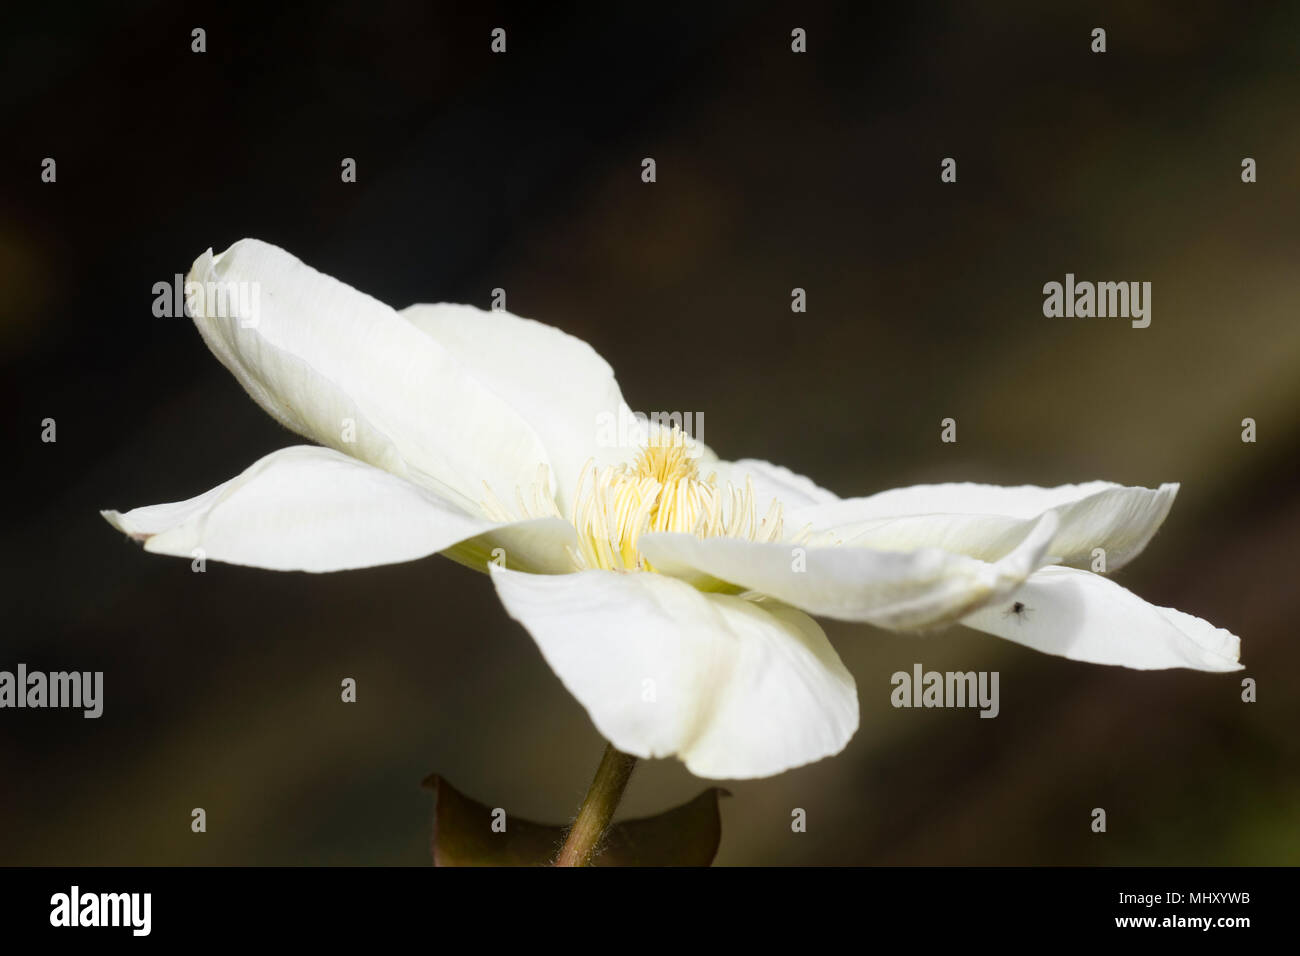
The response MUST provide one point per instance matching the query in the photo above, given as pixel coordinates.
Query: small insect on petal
(1020, 610)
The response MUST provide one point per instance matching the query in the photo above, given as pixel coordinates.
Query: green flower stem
(597, 808)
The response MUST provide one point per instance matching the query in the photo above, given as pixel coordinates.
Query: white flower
(669, 590)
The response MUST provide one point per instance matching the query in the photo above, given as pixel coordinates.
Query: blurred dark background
(775, 170)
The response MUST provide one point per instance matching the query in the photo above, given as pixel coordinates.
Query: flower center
(662, 490)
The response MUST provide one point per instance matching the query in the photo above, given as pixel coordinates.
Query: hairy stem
(597, 808)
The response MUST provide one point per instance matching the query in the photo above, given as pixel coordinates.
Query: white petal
(901, 590)
(536, 545)
(307, 508)
(734, 688)
(1085, 617)
(984, 520)
(554, 381)
(793, 490)
(318, 355)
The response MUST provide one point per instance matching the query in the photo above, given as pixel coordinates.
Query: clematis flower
(672, 592)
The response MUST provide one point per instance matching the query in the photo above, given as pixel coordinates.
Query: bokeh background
(775, 170)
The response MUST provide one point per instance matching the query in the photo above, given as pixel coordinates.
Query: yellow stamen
(660, 491)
